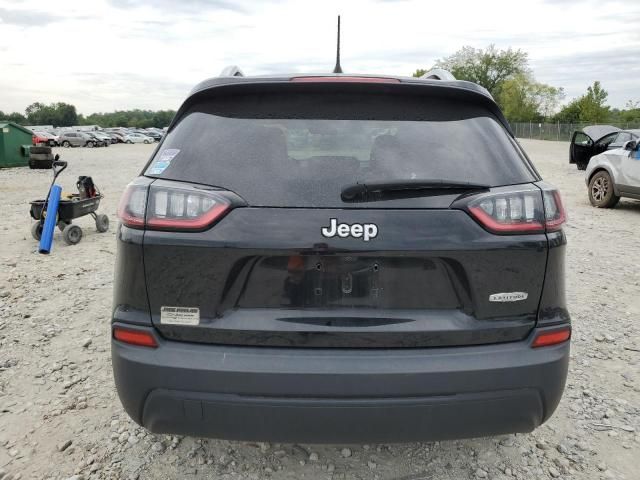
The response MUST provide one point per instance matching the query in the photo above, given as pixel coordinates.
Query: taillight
(553, 210)
(518, 211)
(172, 206)
(183, 208)
(509, 213)
(139, 338)
(133, 205)
(548, 338)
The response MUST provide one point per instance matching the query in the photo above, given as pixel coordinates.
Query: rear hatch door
(294, 263)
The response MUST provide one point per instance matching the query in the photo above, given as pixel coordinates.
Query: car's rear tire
(601, 194)
(89, 145)
(66, 144)
(129, 142)
(582, 165)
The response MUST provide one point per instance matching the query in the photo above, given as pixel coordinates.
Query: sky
(106, 55)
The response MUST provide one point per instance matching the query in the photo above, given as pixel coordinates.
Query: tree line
(509, 79)
(65, 115)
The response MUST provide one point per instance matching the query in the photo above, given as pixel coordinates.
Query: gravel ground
(60, 417)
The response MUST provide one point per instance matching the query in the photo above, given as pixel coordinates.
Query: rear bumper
(339, 396)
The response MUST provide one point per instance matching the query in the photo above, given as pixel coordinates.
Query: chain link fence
(557, 131)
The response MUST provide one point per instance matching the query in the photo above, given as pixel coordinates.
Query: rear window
(301, 149)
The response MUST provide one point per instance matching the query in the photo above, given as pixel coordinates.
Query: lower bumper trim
(326, 420)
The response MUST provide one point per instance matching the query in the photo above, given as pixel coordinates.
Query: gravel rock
(480, 473)
(64, 445)
(158, 447)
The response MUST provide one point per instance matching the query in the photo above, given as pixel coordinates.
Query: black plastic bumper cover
(339, 396)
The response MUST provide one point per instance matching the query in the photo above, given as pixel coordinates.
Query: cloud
(181, 6)
(150, 53)
(616, 68)
(26, 18)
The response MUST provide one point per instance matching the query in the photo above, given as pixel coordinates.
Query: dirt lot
(60, 417)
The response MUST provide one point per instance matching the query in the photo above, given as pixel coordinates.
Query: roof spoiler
(231, 71)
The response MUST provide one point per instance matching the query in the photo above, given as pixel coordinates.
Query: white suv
(615, 173)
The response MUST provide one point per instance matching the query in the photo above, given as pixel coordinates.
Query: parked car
(46, 138)
(615, 173)
(54, 137)
(112, 138)
(153, 134)
(119, 138)
(388, 272)
(137, 138)
(76, 139)
(593, 140)
(40, 138)
(103, 137)
(96, 141)
(148, 133)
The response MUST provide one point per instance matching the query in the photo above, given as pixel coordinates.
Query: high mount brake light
(341, 79)
(171, 207)
(518, 212)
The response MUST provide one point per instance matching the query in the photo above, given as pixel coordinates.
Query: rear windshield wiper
(360, 191)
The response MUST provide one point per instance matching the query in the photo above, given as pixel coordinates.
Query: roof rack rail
(446, 75)
(438, 74)
(231, 71)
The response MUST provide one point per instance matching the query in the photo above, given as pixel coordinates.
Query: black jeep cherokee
(340, 259)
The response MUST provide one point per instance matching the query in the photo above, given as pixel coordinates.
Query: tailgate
(268, 276)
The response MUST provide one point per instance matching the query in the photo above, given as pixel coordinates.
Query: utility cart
(85, 202)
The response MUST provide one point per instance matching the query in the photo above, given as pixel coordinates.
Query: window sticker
(162, 161)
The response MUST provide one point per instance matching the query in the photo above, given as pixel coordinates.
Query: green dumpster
(15, 142)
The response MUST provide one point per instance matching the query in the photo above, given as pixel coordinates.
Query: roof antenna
(338, 68)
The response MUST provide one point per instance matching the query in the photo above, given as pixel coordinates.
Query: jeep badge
(366, 231)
